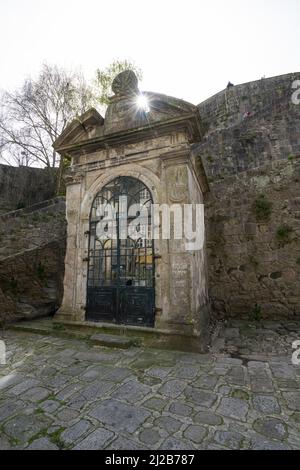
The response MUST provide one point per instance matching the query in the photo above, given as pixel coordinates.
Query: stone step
(113, 341)
(48, 328)
(85, 330)
(30, 327)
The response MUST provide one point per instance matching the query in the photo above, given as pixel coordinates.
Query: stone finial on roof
(125, 83)
(124, 113)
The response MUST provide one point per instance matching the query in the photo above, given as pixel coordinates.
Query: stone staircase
(32, 227)
(32, 248)
(48, 328)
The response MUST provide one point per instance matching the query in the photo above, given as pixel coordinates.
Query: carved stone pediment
(126, 120)
(85, 127)
(124, 111)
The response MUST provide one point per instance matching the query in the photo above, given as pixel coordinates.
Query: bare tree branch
(33, 117)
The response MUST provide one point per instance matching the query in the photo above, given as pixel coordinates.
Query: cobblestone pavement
(63, 393)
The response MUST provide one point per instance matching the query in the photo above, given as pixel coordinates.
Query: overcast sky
(186, 48)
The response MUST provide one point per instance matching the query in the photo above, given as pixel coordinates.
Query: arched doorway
(120, 286)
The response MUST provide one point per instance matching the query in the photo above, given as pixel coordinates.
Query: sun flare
(142, 103)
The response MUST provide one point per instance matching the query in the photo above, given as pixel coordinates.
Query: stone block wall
(31, 282)
(253, 208)
(254, 262)
(267, 99)
(32, 252)
(24, 186)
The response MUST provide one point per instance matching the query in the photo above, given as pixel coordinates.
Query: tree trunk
(60, 176)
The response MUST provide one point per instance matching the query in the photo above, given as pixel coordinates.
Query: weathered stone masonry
(254, 261)
(23, 186)
(155, 149)
(32, 252)
(249, 149)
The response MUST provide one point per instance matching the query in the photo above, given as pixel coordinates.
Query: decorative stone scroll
(177, 183)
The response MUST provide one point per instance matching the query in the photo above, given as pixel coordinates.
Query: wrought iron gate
(120, 287)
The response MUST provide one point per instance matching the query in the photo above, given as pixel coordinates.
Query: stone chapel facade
(147, 156)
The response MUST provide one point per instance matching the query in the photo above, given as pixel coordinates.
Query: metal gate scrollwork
(120, 286)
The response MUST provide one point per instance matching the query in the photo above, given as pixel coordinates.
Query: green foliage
(262, 208)
(291, 157)
(205, 127)
(241, 394)
(58, 327)
(298, 261)
(253, 261)
(256, 314)
(20, 205)
(41, 217)
(105, 77)
(56, 439)
(248, 138)
(283, 234)
(41, 271)
(66, 162)
(249, 237)
(35, 217)
(14, 286)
